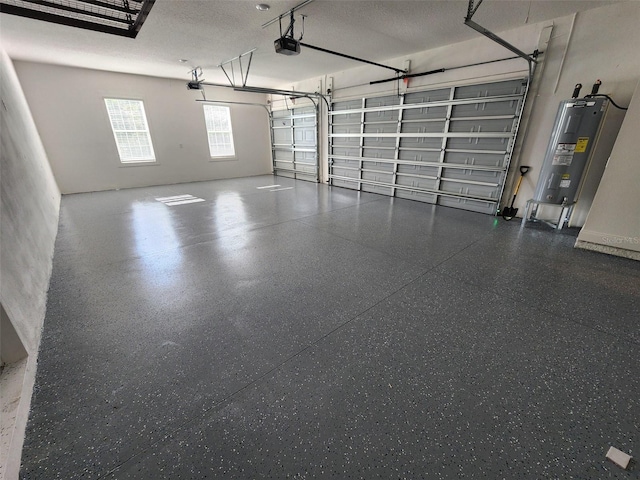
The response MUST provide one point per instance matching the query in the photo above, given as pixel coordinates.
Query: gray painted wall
(29, 208)
(68, 107)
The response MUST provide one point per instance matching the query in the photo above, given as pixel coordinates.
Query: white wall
(29, 208)
(68, 107)
(603, 44)
(613, 224)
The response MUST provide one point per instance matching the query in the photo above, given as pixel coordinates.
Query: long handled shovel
(509, 212)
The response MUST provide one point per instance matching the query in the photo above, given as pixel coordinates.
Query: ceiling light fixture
(263, 7)
(183, 60)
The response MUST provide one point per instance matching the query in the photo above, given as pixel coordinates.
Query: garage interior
(297, 267)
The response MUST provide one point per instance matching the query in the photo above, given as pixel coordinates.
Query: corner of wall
(608, 249)
(29, 211)
(613, 223)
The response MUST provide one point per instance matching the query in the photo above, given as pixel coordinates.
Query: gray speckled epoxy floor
(323, 333)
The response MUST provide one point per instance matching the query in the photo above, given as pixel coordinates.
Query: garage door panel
(345, 174)
(427, 127)
(463, 189)
(346, 129)
(347, 105)
(374, 142)
(350, 119)
(282, 115)
(484, 176)
(346, 142)
(491, 89)
(418, 156)
(376, 189)
(281, 135)
(427, 96)
(488, 208)
(284, 155)
(417, 182)
(378, 166)
(377, 176)
(381, 127)
(381, 116)
(294, 138)
(463, 134)
(416, 196)
(305, 137)
(507, 107)
(348, 168)
(286, 173)
(491, 125)
(305, 121)
(423, 170)
(418, 143)
(474, 143)
(425, 113)
(305, 162)
(373, 152)
(475, 159)
(382, 101)
(344, 151)
(354, 185)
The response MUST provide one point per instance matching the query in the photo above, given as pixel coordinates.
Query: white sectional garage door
(449, 146)
(294, 143)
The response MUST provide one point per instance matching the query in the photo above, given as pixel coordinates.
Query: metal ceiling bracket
(471, 10)
(287, 13)
(244, 76)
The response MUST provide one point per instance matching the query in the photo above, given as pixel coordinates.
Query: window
(218, 120)
(130, 129)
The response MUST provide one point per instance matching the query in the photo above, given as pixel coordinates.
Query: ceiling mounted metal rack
(286, 14)
(115, 17)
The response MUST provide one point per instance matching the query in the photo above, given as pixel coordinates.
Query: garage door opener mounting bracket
(471, 10)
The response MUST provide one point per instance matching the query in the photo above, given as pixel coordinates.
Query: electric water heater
(570, 149)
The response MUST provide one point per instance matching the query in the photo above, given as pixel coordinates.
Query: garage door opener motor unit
(287, 44)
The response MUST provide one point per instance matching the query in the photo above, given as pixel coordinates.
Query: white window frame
(211, 130)
(126, 159)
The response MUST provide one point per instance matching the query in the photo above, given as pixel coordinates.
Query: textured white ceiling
(207, 32)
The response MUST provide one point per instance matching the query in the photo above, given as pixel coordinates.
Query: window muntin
(219, 131)
(130, 130)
